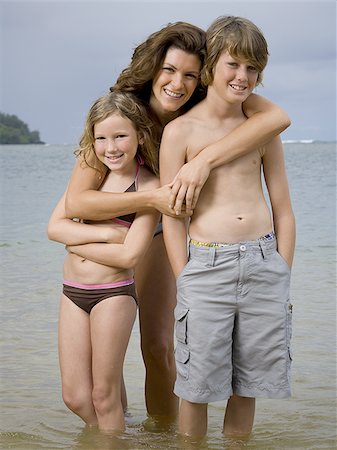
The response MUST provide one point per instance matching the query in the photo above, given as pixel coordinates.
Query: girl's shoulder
(147, 180)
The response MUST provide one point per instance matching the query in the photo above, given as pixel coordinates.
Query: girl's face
(116, 142)
(175, 82)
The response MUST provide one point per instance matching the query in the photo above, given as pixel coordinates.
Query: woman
(164, 74)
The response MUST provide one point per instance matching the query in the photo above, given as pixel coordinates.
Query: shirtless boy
(233, 314)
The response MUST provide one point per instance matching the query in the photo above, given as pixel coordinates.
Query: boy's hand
(187, 185)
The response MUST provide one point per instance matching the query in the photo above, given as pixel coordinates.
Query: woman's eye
(168, 69)
(191, 75)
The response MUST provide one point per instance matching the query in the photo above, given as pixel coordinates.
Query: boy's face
(234, 78)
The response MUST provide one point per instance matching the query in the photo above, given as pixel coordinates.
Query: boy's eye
(252, 69)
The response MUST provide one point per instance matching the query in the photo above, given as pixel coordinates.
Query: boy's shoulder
(184, 124)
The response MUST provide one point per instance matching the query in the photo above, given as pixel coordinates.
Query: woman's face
(175, 82)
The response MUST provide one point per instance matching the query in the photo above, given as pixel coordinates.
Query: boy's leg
(75, 360)
(193, 419)
(239, 416)
(111, 324)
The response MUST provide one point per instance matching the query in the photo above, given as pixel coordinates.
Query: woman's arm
(266, 120)
(278, 190)
(69, 232)
(127, 254)
(84, 201)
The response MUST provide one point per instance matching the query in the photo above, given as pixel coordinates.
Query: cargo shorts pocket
(289, 319)
(182, 351)
(180, 315)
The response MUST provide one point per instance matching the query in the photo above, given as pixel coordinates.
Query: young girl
(99, 300)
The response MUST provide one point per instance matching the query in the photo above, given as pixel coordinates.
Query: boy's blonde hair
(241, 38)
(129, 107)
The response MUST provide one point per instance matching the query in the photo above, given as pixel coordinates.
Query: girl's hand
(187, 185)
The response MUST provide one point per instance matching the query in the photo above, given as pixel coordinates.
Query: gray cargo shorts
(233, 323)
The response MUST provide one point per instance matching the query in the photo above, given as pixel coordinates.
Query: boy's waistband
(267, 237)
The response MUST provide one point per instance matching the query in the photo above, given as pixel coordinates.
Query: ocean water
(32, 412)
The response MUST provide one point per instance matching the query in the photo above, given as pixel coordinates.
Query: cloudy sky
(58, 57)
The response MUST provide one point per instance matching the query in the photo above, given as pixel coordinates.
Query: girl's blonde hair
(241, 38)
(128, 106)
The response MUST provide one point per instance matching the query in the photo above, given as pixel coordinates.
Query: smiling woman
(175, 83)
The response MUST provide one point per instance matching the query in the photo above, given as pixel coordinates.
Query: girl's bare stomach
(84, 271)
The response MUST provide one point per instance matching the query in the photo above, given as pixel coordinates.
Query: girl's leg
(157, 298)
(193, 419)
(111, 325)
(75, 360)
(239, 417)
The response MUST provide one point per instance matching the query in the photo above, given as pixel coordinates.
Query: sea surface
(33, 415)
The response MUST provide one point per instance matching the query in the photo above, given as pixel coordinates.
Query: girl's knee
(106, 397)
(76, 400)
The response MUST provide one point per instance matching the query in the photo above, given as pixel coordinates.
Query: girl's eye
(99, 138)
(121, 136)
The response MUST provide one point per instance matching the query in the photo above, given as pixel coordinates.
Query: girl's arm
(127, 254)
(278, 190)
(84, 201)
(266, 120)
(69, 232)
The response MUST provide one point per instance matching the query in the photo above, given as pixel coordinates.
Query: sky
(57, 57)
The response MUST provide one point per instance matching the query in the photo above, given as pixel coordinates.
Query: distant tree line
(14, 131)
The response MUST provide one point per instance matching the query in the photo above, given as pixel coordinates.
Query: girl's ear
(141, 139)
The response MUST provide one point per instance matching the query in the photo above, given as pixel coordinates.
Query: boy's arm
(127, 254)
(68, 232)
(266, 120)
(172, 157)
(83, 200)
(278, 190)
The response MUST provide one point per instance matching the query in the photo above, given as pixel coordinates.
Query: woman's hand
(187, 185)
(161, 202)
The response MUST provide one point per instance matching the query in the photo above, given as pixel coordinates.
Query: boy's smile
(234, 78)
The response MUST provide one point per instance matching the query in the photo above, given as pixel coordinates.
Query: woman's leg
(75, 360)
(111, 325)
(157, 298)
